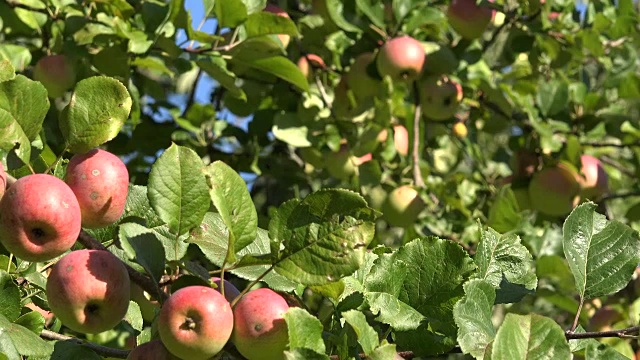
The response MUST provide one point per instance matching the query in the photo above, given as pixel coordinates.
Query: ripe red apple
(284, 39)
(440, 97)
(460, 130)
(596, 181)
(56, 73)
(554, 190)
(152, 350)
(3, 180)
(401, 58)
(359, 81)
(100, 181)
(403, 206)
(88, 290)
(307, 63)
(39, 218)
(230, 291)
(195, 322)
(468, 19)
(260, 331)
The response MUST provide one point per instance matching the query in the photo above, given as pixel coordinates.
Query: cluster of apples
(196, 322)
(557, 188)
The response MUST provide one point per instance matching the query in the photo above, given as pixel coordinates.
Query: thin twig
(417, 173)
(607, 160)
(621, 333)
(99, 349)
(577, 318)
(621, 195)
(609, 144)
(403, 354)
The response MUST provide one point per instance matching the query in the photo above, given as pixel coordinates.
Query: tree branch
(621, 333)
(621, 195)
(404, 354)
(144, 282)
(99, 349)
(417, 173)
(610, 144)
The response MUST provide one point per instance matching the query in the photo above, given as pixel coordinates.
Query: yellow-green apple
(359, 81)
(554, 190)
(152, 350)
(230, 291)
(469, 19)
(596, 181)
(100, 181)
(195, 322)
(260, 331)
(39, 218)
(401, 58)
(403, 206)
(400, 139)
(3, 180)
(376, 196)
(460, 130)
(147, 307)
(524, 164)
(88, 290)
(440, 96)
(308, 62)
(284, 39)
(57, 73)
(439, 59)
(342, 164)
(522, 197)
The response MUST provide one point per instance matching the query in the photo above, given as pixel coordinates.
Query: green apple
(596, 181)
(440, 97)
(260, 331)
(401, 58)
(342, 164)
(403, 206)
(376, 197)
(89, 291)
(39, 218)
(100, 181)
(195, 322)
(469, 19)
(439, 59)
(554, 190)
(362, 84)
(57, 74)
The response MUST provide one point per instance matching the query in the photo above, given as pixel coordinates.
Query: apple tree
(319, 179)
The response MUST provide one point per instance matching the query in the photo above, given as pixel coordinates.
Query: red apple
(39, 218)
(554, 190)
(468, 19)
(56, 73)
(596, 181)
(152, 350)
(230, 291)
(440, 97)
(260, 331)
(3, 180)
(88, 290)
(401, 58)
(284, 39)
(403, 206)
(195, 322)
(100, 181)
(359, 81)
(307, 63)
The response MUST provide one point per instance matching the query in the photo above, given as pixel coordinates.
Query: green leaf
(602, 254)
(230, 13)
(216, 67)
(530, 337)
(65, 350)
(384, 352)
(304, 354)
(9, 297)
(305, 330)
(98, 108)
(19, 56)
(266, 23)
(13, 138)
(33, 321)
(473, 317)
(335, 9)
(7, 71)
(367, 336)
(325, 236)
(134, 316)
(178, 190)
(552, 96)
(503, 257)
(231, 197)
(287, 127)
(212, 237)
(142, 245)
(504, 214)
(394, 312)
(27, 102)
(24, 340)
(374, 10)
(598, 351)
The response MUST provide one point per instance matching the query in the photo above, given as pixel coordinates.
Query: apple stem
(417, 174)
